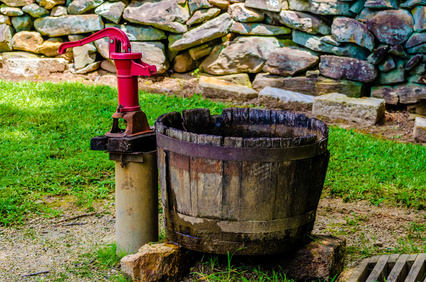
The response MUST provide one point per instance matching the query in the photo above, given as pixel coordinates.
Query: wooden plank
(411, 259)
(400, 270)
(378, 272)
(417, 270)
(231, 183)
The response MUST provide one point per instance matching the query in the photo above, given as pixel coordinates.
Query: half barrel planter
(247, 182)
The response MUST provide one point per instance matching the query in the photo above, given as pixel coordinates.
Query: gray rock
(419, 131)
(418, 108)
(5, 38)
(102, 45)
(268, 5)
(243, 55)
(111, 11)
(238, 78)
(419, 15)
(39, 67)
(259, 29)
(22, 23)
(396, 75)
(398, 51)
(10, 11)
(240, 13)
(312, 73)
(108, 66)
(304, 22)
(214, 88)
(378, 55)
(203, 15)
(381, 4)
(366, 111)
(153, 53)
(289, 61)
(78, 7)
(416, 39)
(315, 43)
(351, 30)
(366, 15)
(84, 55)
(202, 50)
(407, 93)
(221, 4)
(59, 11)
(50, 47)
(89, 68)
(419, 69)
(413, 61)
(387, 65)
(195, 5)
(163, 14)
(309, 85)
(208, 31)
(5, 20)
(35, 10)
(417, 49)
(58, 26)
(357, 7)
(183, 63)
(287, 100)
(347, 68)
(332, 7)
(17, 3)
(330, 40)
(49, 4)
(392, 26)
(412, 3)
(140, 33)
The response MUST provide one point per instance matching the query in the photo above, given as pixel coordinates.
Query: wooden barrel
(246, 182)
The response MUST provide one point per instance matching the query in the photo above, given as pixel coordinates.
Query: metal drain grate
(391, 268)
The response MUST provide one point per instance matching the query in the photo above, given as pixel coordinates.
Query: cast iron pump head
(129, 67)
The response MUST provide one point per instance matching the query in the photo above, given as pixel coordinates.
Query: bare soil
(63, 250)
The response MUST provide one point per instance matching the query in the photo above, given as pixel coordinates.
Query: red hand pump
(129, 67)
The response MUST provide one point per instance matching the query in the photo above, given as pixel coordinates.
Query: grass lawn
(45, 132)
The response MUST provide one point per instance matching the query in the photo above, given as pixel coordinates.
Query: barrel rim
(245, 154)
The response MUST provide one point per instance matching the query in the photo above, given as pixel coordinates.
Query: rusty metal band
(245, 154)
(256, 228)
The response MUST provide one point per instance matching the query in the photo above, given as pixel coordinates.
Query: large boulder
(419, 15)
(304, 22)
(111, 11)
(316, 43)
(30, 67)
(350, 30)
(287, 61)
(153, 53)
(163, 14)
(240, 13)
(244, 54)
(347, 68)
(391, 26)
(208, 31)
(78, 7)
(27, 41)
(5, 38)
(309, 85)
(59, 26)
(321, 7)
(288, 100)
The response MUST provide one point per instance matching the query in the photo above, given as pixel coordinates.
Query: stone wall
(354, 47)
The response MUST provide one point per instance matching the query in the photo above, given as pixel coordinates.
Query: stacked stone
(311, 47)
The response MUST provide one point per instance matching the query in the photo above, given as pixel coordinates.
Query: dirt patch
(66, 250)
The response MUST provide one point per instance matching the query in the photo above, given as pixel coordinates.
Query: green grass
(377, 170)
(45, 132)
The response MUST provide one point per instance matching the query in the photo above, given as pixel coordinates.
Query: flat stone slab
(287, 100)
(215, 88)
(365, 111)
(31, 67)
(419, 132)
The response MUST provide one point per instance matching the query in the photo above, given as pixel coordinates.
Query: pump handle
(117, 40)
